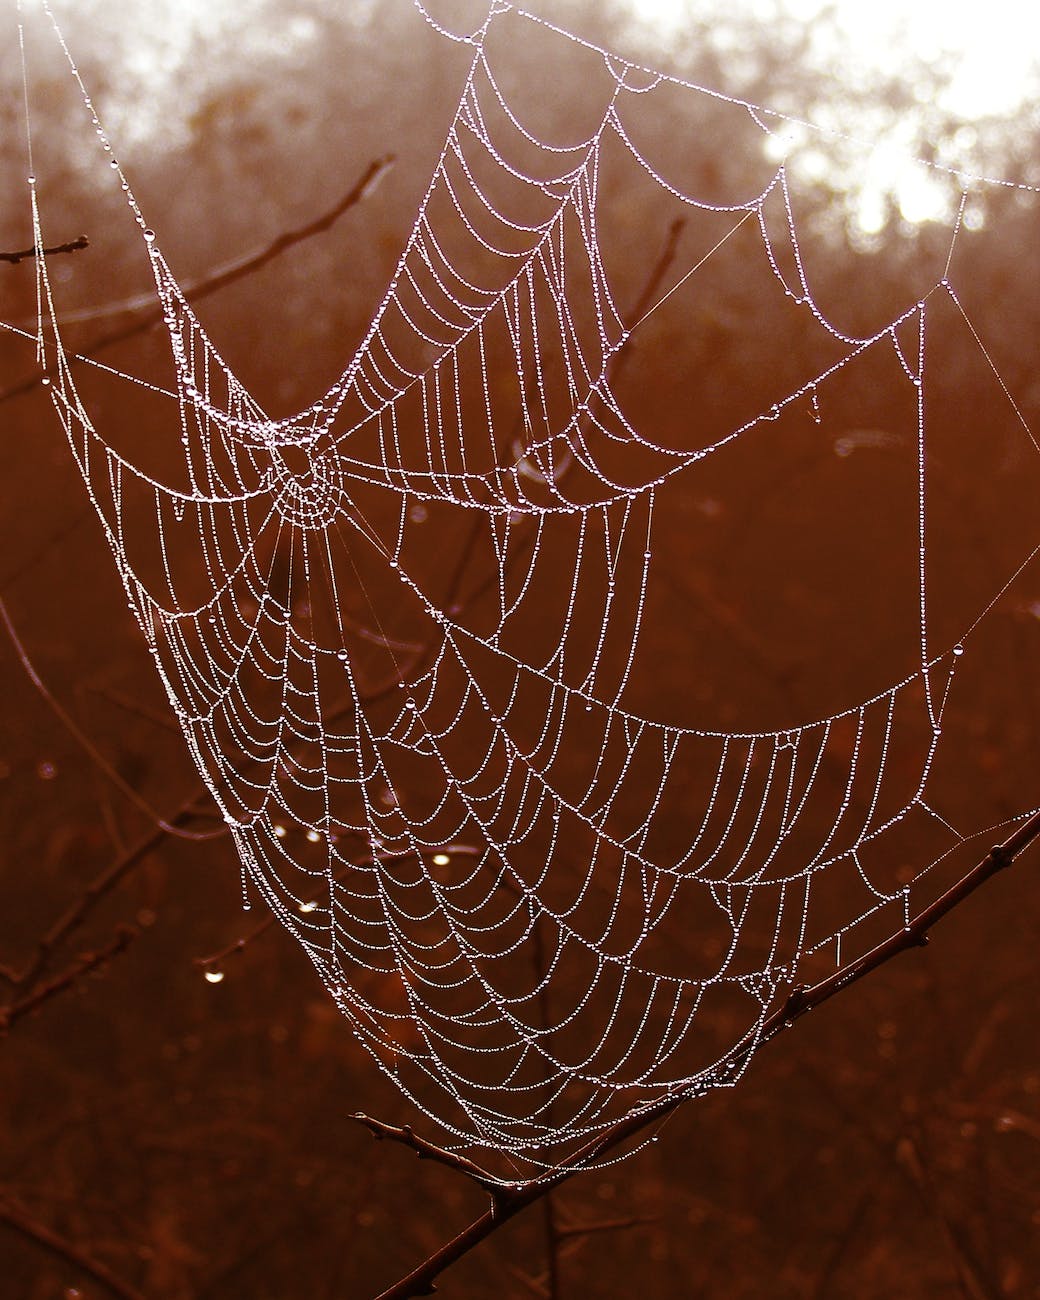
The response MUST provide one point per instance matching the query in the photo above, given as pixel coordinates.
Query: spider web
(537, 902)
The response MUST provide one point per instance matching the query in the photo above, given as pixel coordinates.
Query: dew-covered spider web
(403, 631)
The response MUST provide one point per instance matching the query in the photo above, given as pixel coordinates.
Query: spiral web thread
(448, 800)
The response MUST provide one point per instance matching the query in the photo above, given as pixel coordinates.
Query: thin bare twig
(533, 1284)
(73, 246)
(236, 270)
(606, 1225)
(243, 266)
(513, 1198)
(17, 1217)
(973, 1285)
(406, 1136)
(101, 763)
(81, 967)
(830, 1266)
(216, 959)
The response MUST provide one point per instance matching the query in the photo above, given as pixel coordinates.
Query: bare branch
(84, 965)
(237, 270)
(420, 1281)
(77, 912)
(607, 1225)
(364, 186)
(536, 1287)
(656, 278)
(216, 959)
(73, 246)
(973, 1285)
(78, 734)
(430, 1151)
(21, 1221)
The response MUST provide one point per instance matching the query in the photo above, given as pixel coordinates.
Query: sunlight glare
(991, 50)
(988, 54)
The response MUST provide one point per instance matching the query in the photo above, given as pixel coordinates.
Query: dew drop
(441, 860)
(149, 235)
(214, 976)
(958, 650)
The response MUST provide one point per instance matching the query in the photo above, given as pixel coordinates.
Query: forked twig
(78, 910)
(406, 1136)
(513, 1198)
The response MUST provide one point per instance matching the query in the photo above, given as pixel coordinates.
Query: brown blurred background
(194, 1138)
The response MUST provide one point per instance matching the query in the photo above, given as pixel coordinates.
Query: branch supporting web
(401, 632)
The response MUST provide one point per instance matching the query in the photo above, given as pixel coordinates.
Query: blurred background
(177, 1137)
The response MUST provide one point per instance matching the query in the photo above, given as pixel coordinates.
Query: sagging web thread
(478, 852)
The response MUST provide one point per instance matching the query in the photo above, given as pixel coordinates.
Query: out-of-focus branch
(658, 271)
(78, 910)
(84, 965)
(81, 738)
(579, 1230)
(236, 270)
(513, 1198)
(73, 246)
(430, 1151)
(18, 1218)
(215, 960)
(969, 1273)
(252, 262)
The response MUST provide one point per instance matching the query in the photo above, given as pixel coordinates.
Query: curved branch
(425, 1150)
(82, 966)
(225, 275)
(18, 1218)
(512, 1199)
